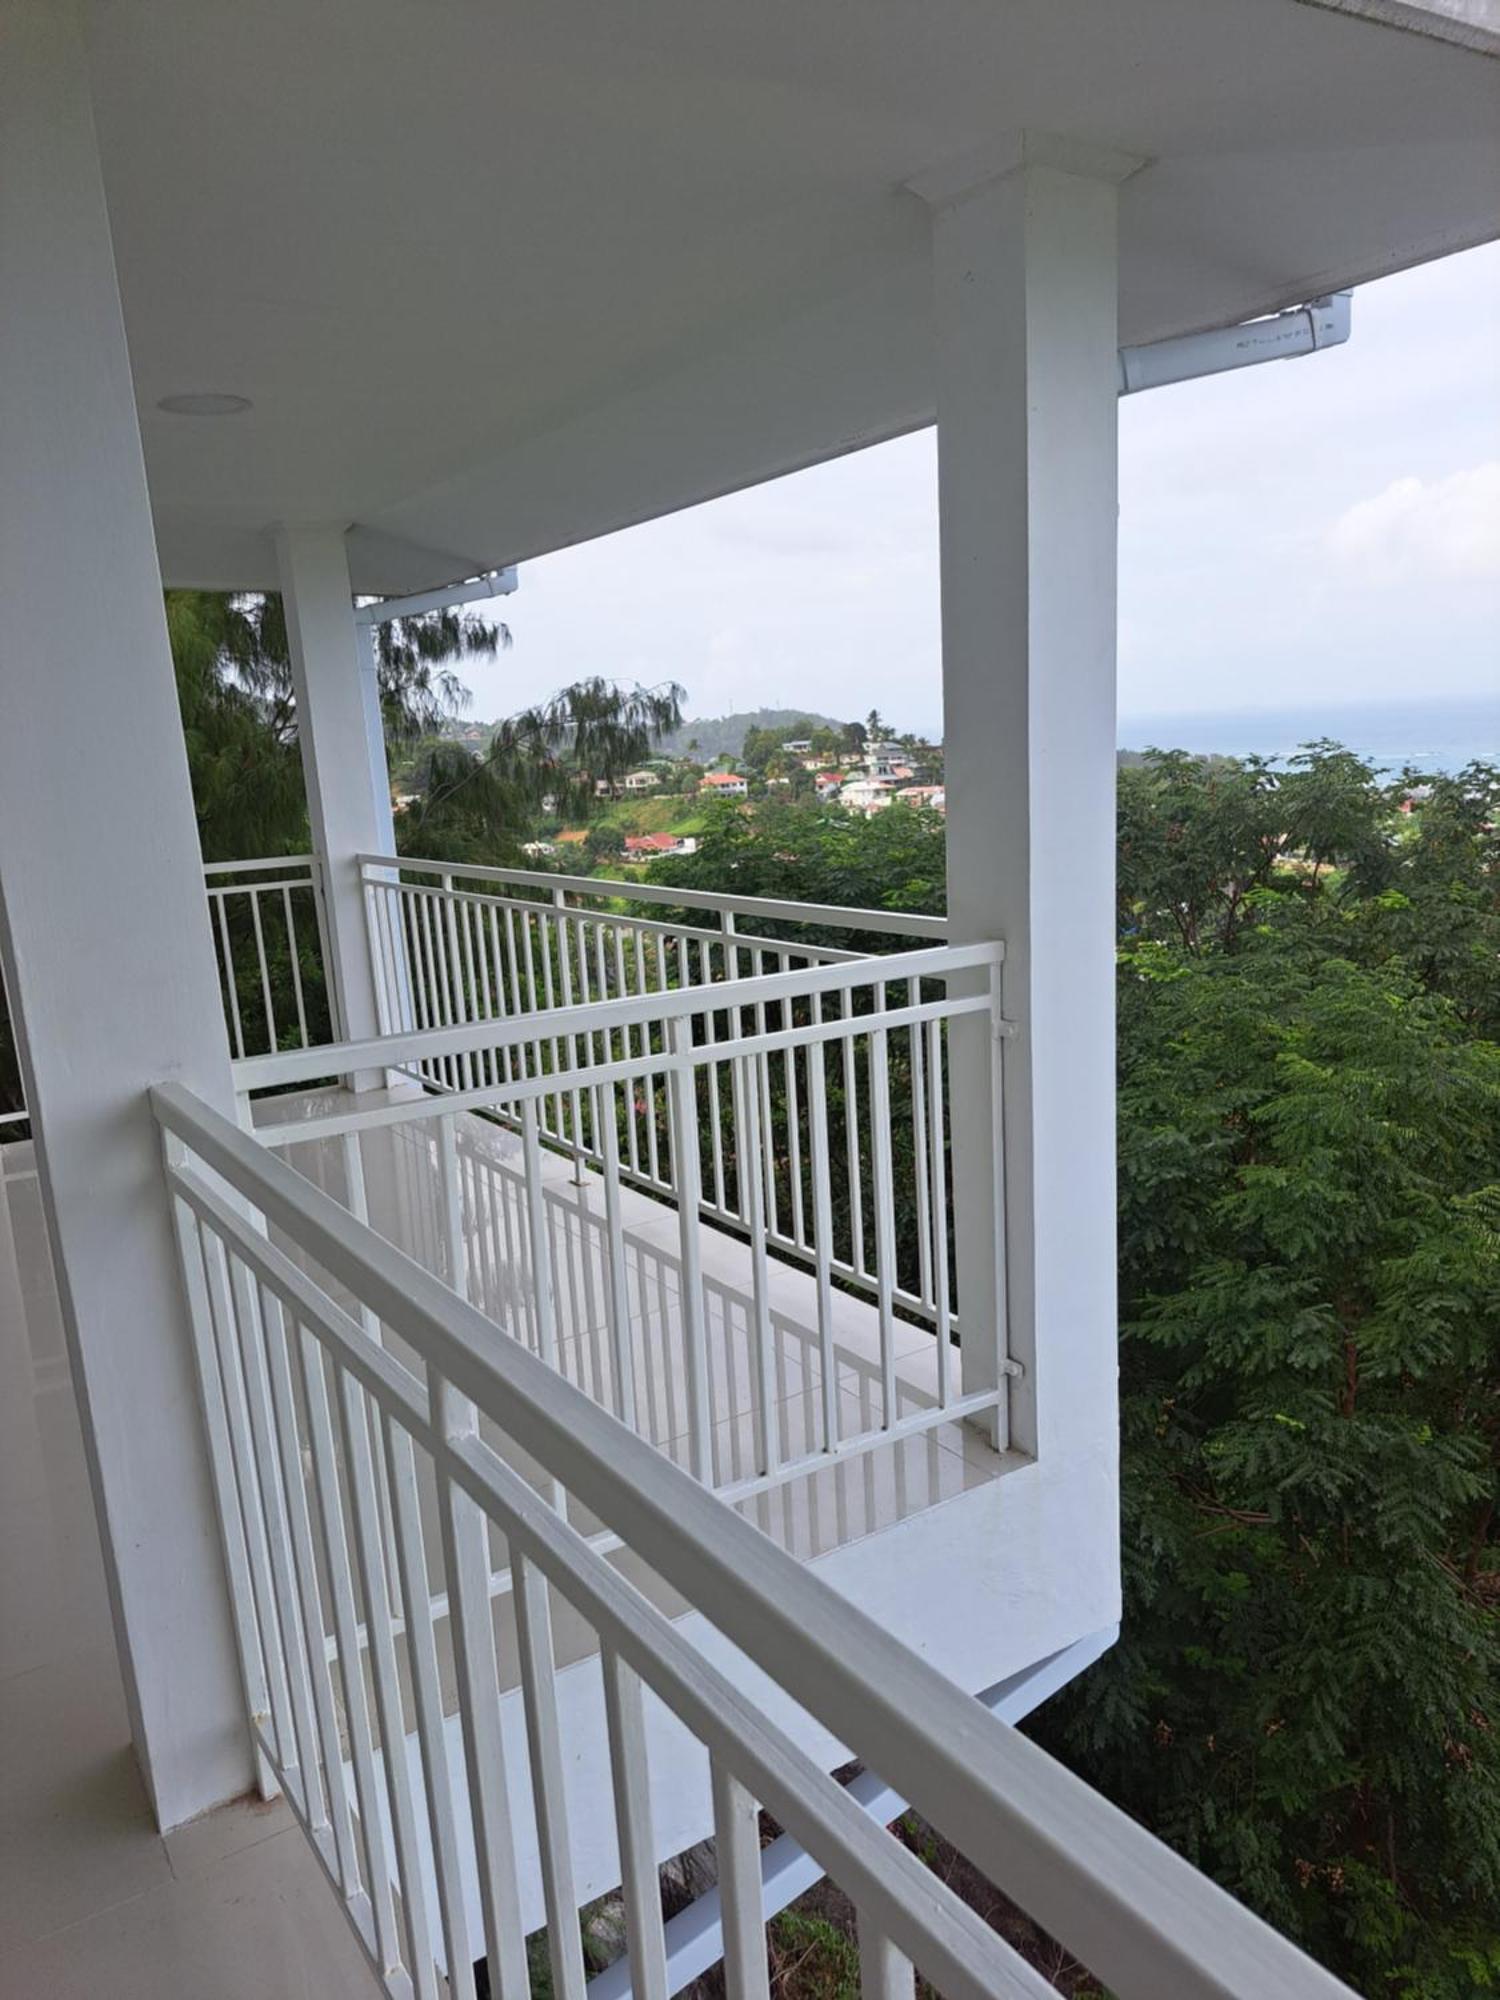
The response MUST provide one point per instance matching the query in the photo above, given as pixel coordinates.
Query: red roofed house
(647, 846)
(725, 785)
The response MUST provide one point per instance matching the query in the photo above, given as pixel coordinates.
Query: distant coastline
(1434, 736)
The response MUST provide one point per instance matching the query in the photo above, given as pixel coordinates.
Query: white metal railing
(371, 1439)
(743, 1091)
(270, 944)
(519, 944)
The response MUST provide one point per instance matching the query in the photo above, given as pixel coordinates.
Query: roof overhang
(496, 280)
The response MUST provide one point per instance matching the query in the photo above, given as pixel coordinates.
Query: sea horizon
(1442, 735)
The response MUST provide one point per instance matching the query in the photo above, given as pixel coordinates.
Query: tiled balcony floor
(94, 1903)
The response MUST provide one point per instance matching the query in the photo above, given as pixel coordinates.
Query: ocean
(1432, 735)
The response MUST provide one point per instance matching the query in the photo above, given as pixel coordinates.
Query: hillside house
(724, 785)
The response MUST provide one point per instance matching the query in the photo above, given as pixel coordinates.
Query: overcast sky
(1322, 531)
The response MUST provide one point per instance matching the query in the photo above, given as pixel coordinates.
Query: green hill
(715, 735)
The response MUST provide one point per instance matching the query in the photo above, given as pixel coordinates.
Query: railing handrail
(770, 909)
(638, 925)
(1138, 1915)
(307, 861)
(609, 1016)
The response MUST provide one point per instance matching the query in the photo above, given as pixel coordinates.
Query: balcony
(600, 1455)
(629, 1359)
(636, 1239)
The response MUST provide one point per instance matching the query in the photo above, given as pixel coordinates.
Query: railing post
(687, 1175)
(565, 975)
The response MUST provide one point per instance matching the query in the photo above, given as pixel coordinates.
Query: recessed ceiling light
(204, 406)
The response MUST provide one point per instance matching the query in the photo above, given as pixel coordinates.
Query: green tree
(1306, 1696)
(239, 712)
(802, 852)
(545, 760)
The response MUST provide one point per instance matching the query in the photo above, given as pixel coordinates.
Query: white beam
(1025, 274)
(494, 583)
(106, 946)
(343, 753)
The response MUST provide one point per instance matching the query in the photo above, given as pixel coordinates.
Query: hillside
(716, 734)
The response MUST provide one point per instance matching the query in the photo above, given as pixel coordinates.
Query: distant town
(662, 807)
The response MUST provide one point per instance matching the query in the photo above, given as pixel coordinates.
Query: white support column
(1025, 270)
(348, 801)
(105, 939)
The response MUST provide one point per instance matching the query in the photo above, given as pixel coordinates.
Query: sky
(1318, 532)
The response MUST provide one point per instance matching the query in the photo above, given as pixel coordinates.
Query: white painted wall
(1025, 278)
(106, 945)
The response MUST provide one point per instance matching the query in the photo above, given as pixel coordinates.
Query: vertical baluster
(767, 1123)
(442, 985)
(293, 1482)
(543, 1302)
(768, 1414)
(337, 1567)
(454, 968)
(216, 1273)
(382, 962)
(432, 911)
(563, 930)
(622, 989)
(440, 1069)
(614, 1250)
(407, 907)
(359, 1208)
(291, 948)
(499, 957)
(359, 1462)
(741, 1899)
(942, 1318)
(515, 1261)
(530, 1596)
(609, 1039)
(467, 979)
(740, 1207)
(585, 1043)
(884, 1197)
(399, 964)
(793, 1117)
(513, 963)
(625, 1713)
(231, 990)
(546, 931)
(245, 1317)
(711, 1078)
(644, 946)
(921, 1164)
(265, 971)
(852, 1143)
(481, 922)
(683, 1093)
(822, 1193)
(421, 1653)
(232, 1527)
(884, 1974)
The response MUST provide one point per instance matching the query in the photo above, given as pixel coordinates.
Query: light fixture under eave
(204, 406)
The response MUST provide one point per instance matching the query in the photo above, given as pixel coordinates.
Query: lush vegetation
(1305, 1697)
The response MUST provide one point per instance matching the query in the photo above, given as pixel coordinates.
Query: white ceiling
(501, 276)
